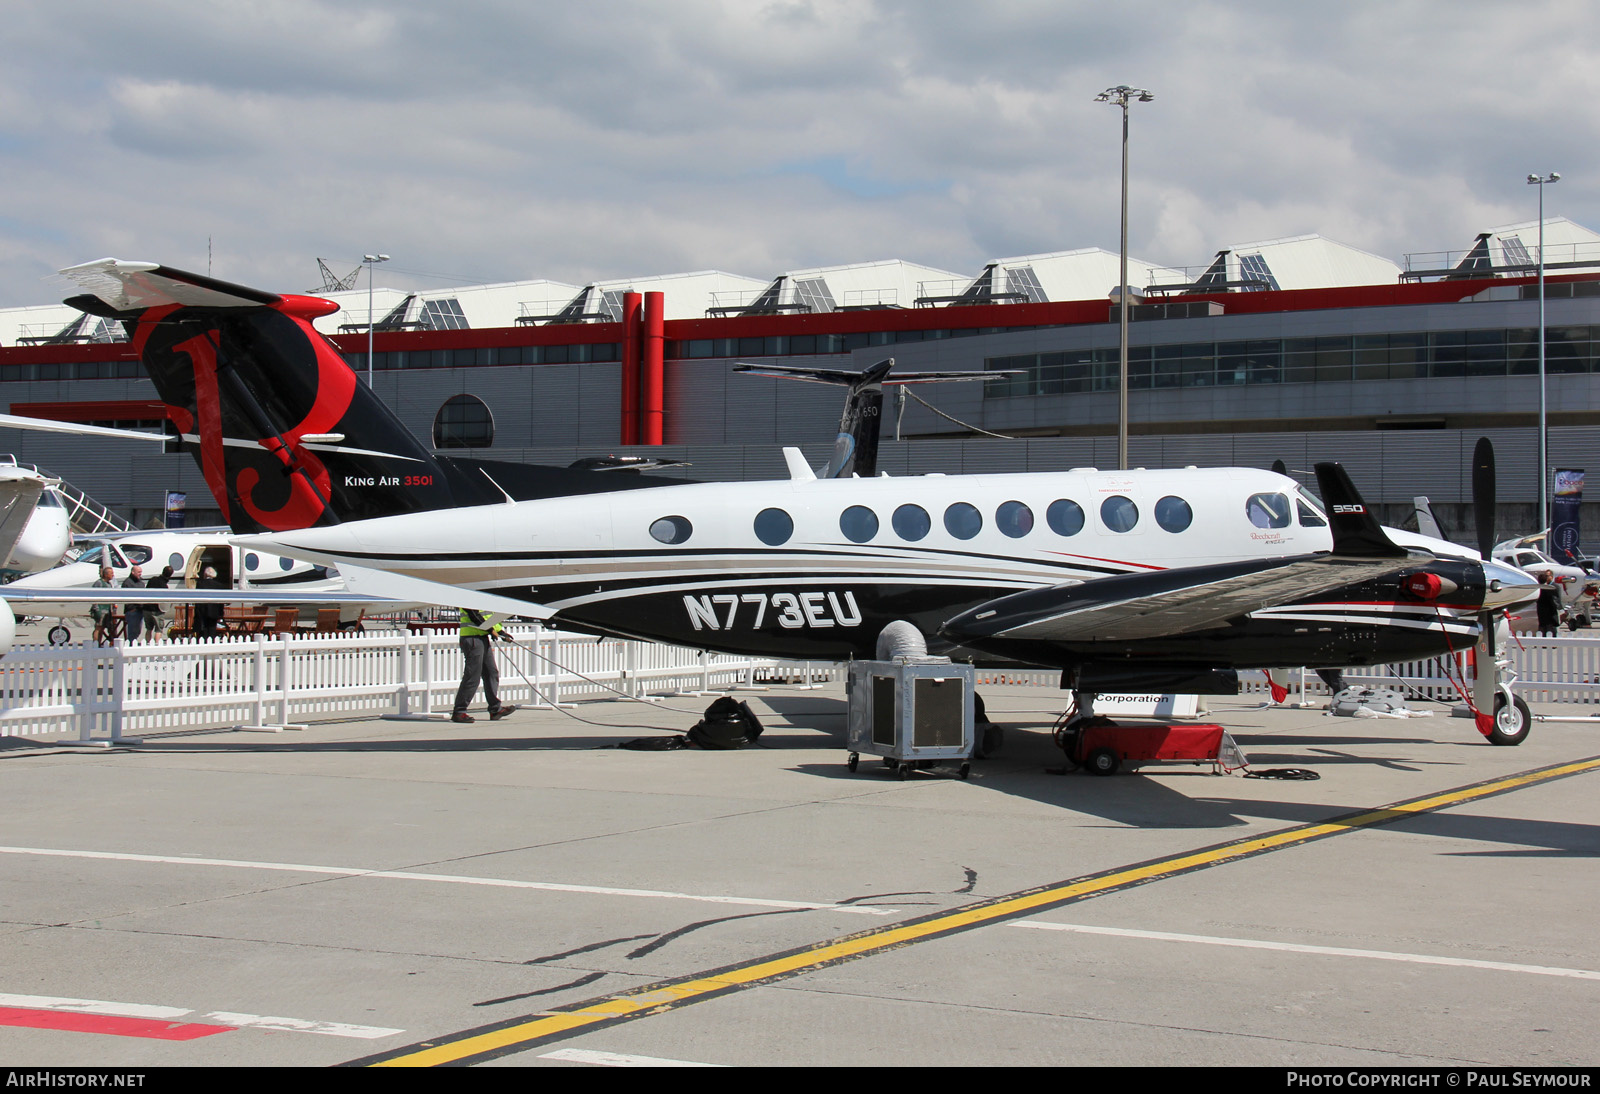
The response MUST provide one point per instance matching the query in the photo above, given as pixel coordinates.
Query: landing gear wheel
(1511, 721)
(58, 635)
(902, 771)
(1102, 761)
(854, 759)
(966, 769)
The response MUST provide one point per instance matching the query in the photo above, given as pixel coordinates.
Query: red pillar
(632, 340)
(652, 380)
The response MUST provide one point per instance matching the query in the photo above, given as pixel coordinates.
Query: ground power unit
(914, 713)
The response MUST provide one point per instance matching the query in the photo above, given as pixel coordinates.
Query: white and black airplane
(34, 530)
(1155, 580)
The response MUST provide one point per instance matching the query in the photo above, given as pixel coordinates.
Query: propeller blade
(1483, 494)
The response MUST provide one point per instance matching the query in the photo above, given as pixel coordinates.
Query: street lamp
(1541, 181)
(1121, 95)
(371, 261)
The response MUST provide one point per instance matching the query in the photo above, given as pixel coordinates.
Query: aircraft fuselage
(815, 568)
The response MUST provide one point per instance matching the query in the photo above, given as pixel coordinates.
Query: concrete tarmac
(435, 893)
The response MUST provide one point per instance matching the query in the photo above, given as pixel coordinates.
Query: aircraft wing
(1167, 602)
(371, 588)
(125, 286)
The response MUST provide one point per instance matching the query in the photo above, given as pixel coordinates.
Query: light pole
(371, 261)
(1541, 181)
(1121, 95)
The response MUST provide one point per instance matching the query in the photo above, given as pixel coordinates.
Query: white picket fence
(105, 694)
(1558, 668)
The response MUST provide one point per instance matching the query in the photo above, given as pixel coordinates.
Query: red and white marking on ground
(158, 1022)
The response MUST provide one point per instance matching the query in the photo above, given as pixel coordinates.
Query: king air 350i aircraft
(1149, 580)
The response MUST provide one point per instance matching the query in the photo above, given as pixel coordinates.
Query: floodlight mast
(1541, 181)
(1121, 95)
(371, 261)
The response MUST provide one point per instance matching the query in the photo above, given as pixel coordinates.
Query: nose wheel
(1512, 720)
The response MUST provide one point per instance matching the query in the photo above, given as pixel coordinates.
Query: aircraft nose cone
(1506, 586)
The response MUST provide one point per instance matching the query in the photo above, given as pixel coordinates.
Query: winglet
(1356, 532)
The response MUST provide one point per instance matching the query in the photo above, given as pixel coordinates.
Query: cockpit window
(103, 554)
(49, 499)
(137, 553)
(1268, 510)
(1310, 510)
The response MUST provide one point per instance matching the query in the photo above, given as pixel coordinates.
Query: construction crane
(331, 282)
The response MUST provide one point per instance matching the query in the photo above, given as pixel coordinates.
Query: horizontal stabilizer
(48, 425)
(131, 286)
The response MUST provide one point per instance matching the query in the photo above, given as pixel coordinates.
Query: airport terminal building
(1300, 349)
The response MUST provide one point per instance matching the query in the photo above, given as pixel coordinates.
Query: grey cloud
(506, 140)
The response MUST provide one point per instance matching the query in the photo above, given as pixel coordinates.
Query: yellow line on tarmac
(518, 1034)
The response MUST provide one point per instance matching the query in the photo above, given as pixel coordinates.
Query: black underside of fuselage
(1361, 625)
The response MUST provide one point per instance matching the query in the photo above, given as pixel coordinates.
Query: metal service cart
(914, 713)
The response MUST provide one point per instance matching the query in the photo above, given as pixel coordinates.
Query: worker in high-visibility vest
(476, 629)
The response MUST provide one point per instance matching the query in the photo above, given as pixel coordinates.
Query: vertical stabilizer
(285, 433)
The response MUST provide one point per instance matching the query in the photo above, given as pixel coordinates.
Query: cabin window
(670, 529)
(858, 524)
(175, 560)
(1268, 510)
(1174, 514)
(251, 560)
(1119, 513)
(1064, 517)
(911, 522)
(1014, 519)
(774, 526)
(962, 520)
(286, 564)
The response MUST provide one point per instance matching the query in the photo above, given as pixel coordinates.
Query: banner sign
(176, 501)
(1564, 516)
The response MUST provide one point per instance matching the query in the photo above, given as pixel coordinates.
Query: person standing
(208, 614)
(102, 613)
(163, 580)
(476, 629)
(136, 615)
(1549, 603)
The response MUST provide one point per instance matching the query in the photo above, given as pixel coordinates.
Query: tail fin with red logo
(286, 435)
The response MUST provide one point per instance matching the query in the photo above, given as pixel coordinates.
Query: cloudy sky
(487, 140)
